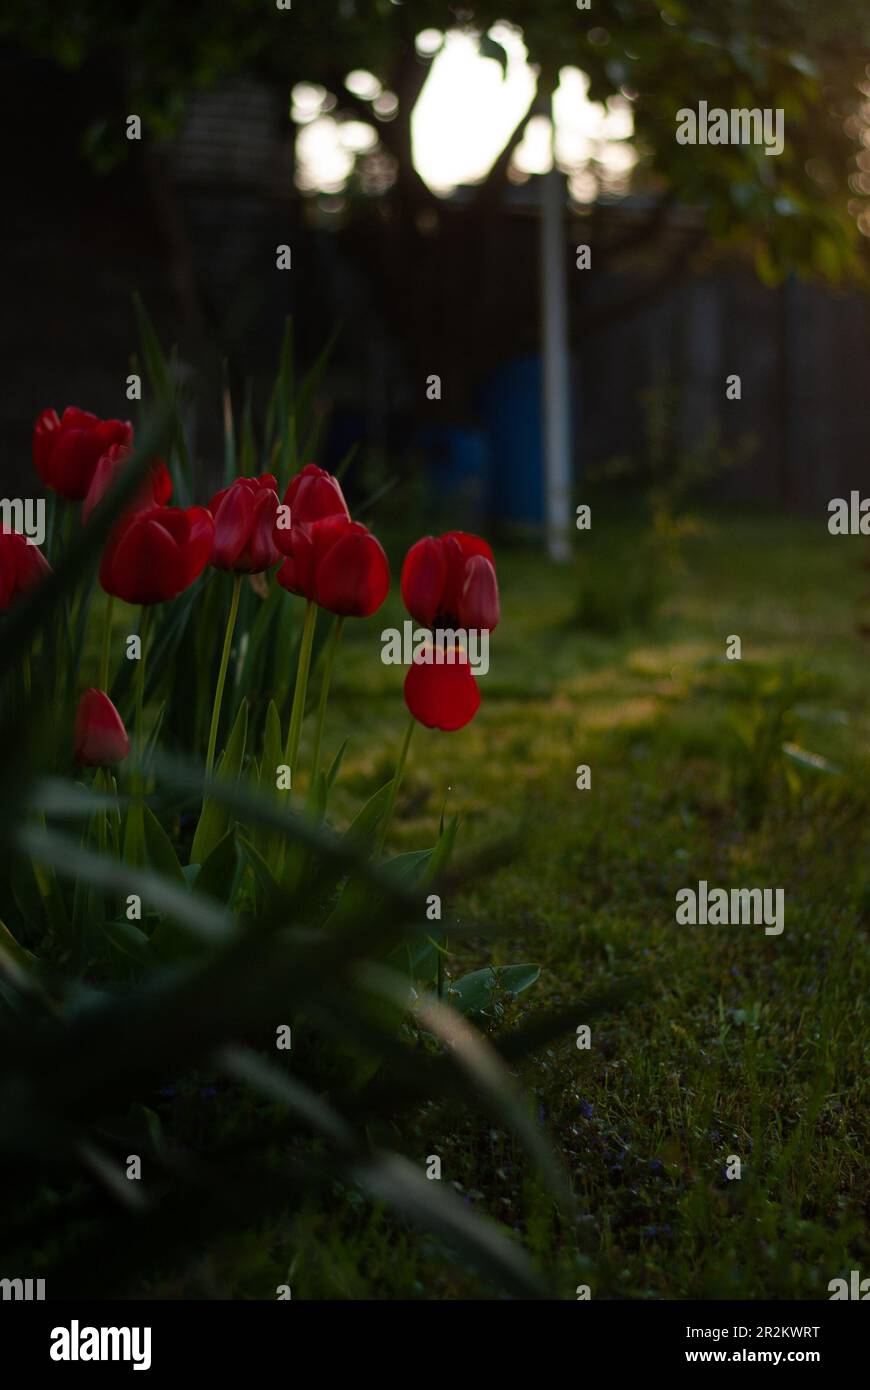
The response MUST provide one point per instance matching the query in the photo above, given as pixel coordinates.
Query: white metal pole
(556, 396)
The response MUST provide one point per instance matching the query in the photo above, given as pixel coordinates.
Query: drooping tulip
(311, 496)
(155, 554)
(440, 690)
(100, 736)
(155, 491)
(450, 581)
(22, 565)
(339, 565)
(244, 525)
(67, 448)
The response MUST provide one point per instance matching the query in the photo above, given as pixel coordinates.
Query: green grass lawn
(734, 1042)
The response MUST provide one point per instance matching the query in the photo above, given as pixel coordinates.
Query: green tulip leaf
(214, 821)
(478, 992)
(134, 834)
(218, 874)
(335, 765)
(161, 854)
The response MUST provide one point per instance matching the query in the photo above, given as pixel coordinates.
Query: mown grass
(737, 1043)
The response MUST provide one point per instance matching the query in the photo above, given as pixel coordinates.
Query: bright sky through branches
(464, 116)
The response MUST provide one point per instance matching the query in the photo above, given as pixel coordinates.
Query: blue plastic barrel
(458, 458)
(511, 409)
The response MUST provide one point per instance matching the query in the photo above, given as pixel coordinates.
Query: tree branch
(487, 193)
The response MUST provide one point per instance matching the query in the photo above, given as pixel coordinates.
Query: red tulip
(156, 487)
(100, 736)
(21, 566)
(154, 554)
(312, 495)
(442, 696)
(450, 581)
(244, 522)
(66, 451)
(338, 564)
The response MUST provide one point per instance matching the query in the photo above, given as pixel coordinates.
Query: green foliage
(130, 963)
(768, 710)
(633, 592)
(736, 1043)
(808, 60)
(482, 991)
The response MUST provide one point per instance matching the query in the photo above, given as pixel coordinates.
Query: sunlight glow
(322, 162)
(467, 109)
(363, 84)
(466, 112)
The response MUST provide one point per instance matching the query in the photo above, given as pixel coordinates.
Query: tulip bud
(244, 522)
(100, 736)
(311, 496)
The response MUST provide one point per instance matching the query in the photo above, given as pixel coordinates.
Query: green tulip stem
(144, 624)
(334, 637)
(63, 620)
(101, 787)
(394, 787)
(298, 710)
(222, 676)
(107, 640)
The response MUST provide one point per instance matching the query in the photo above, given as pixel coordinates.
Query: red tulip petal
(262, 550)
(479, 602)
(216, 501)
(353, 577)
(424, 574)
(288, 578)
(8, 570)
(67, 454)
(470, 545)
(443, 696)
(147, 565)
(44, 435)
(72, 465)
(108, 467)
(455, 563)
(32, 566)
(75, 419)
(232, 524)
(197, 546)
(100, 736)
(161, 483)
(297, 573)
(314, 494)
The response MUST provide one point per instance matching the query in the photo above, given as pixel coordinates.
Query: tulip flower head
(338, 564)
(100, 736)
(156, 488)
(67, 449)
(440, 690)
(244, 525)
(449, 581)
(154, 554)
(21, 566)
(311, 496)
